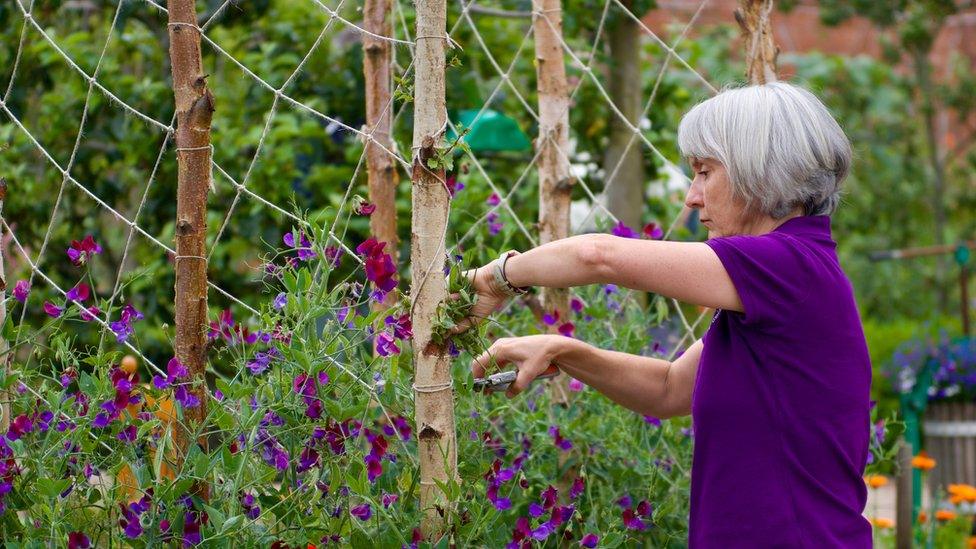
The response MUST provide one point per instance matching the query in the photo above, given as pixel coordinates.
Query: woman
(778, 388)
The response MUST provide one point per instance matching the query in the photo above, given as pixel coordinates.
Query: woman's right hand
(490, 298)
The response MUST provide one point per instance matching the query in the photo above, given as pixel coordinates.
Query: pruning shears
(501, 381)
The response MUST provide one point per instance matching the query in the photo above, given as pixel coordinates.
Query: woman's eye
(703, 174)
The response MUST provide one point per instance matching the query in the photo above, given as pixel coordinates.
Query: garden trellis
(317, 358)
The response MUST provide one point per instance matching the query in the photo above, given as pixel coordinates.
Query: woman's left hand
(531, 355)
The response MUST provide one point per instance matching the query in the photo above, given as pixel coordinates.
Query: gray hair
(778, 143)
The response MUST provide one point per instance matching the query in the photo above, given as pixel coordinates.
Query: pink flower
(379, 265)
(575, 385)
(566, 329)
(362, 512)
(366, 208)
(21, 289)
(494, 200)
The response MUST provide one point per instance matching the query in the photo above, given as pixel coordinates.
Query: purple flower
(78, 540)
(493, 200)
(402, 326)
(566, 329)
(90, 313)
(561, 443)
(366, 208)
(542, 532)
(621, 229)
(624, 501)
(576, 304)
(362, 512)
(589, 540)
(123, 326)
(632, 521)
(453, 185)
(307, 459)
(81, 251)
(494, 226)
(128, 434)
(20, 426)
(304, 250)
(652, 420)
(386, 345)
(21, 289)
(185, 397)
(79, 293)
(575, 385)
(191, 528)
(374, 468)
(536, 510)
(549, 497)
(577, 488)
(389, 499)
(333, 255)
(52, 310)
(251, 510)
(652, 231)
(280, 301)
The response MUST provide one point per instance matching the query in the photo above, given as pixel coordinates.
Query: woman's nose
(694, 197)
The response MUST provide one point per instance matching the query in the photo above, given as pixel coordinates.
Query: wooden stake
(753, 17)
(555, 179)
(380, 166)
(194, 110)
(431, 204)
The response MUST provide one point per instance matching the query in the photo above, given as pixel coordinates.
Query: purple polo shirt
(781, 405)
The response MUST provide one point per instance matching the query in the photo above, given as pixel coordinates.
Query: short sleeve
(771, 272)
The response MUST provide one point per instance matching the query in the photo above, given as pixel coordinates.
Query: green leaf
(52, 488)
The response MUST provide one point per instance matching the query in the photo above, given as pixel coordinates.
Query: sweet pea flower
(389, 499)
(53, 310)
(379, 265)
(304, 250)
(494, 226)
(386, 345)
(366, 208)
(362, 512)
(402, 326)
(589, 540)
(575, 385)
(81, 251)
(79, 293)
(280, 301)
(621, 229)
(78, 540)
(21, 290)
(123, 326)
(493, 200)
(652, 231)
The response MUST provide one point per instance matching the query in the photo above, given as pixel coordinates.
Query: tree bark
(753, 17)
(434, 394)
(194, 110)
(380, 166)
(555, 179)
(624, 169)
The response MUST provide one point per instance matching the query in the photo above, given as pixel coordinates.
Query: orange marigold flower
(876, 481)
(962, 492)
(972, 542)
(922, 517)
(945, 514)
(882, 522)
(923, 461)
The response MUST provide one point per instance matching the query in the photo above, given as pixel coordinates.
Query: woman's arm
(645, 385)
(687, 271)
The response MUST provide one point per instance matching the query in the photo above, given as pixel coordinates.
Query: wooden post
(5, 408)
(433, 387)
(904, 503)
(380, 166)
(555, 179)
(194, 110)
(753, 17)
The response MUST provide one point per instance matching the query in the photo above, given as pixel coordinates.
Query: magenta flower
(494, 226)
(128, 434)
(379, 265)
(251, 509)
(577, 488)
(191, 527)
(621, 229)
(493, 200)
(20, 426)
(81, 251)
(304, 249)
(333, 255)
(79, 293)
(175, 370)
(402, 326)
(632, 521)
(52, 310)
(362, 512)
(78, 540)
(21, 289)
(386, 345)
(453, 185)
(549, 497)
(652, 231)
(562, 443)
(575, 385)
(389, 499)
(576, 304)
(567, 328)
(90, 313)
(366, 208)
(185, 397)
(123, 326)
(589, 540)
(652, 420)
(374, 468)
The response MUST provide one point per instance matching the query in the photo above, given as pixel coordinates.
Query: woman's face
(711, 194)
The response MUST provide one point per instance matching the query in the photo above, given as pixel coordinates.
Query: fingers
(480, 364)
(526, 373)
